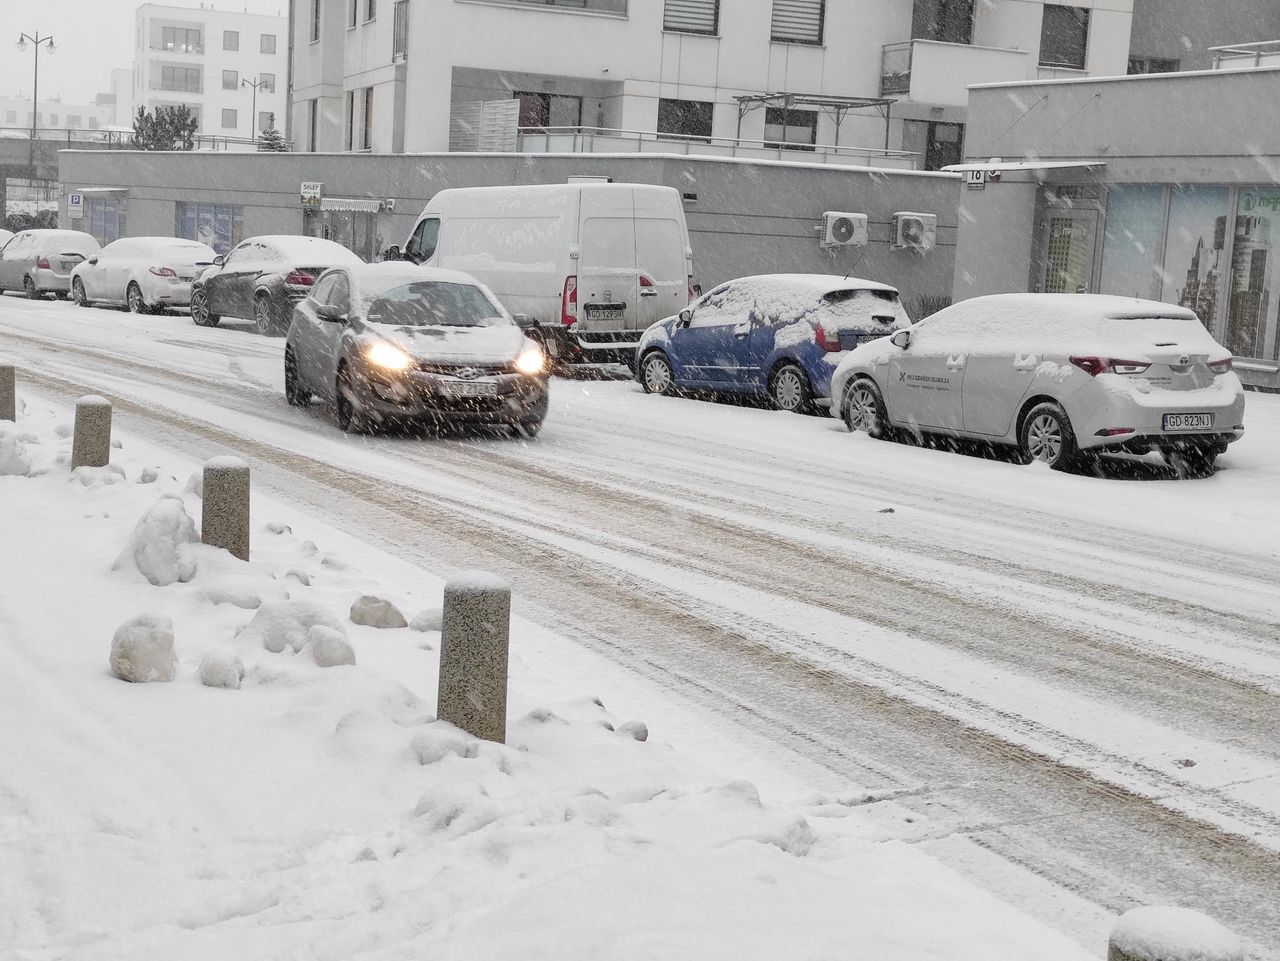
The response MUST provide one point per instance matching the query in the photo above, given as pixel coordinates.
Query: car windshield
(429, 303)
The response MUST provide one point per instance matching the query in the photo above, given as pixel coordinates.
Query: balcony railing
(1241, 56)
(895, 68)
(609, 140)
(936, 72)
(616, 7)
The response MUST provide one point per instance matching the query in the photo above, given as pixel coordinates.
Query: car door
(1002, 363)
(925, 379)
(102, 280)
(305, 336)
(328, 334)
(11, 261)
(221, 287)
(710, 350)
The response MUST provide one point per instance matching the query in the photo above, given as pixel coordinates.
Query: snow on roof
(293, 246)
(1082, 306)
(817, 283)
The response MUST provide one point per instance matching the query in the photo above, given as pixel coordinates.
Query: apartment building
(879, 82)
(229, 67)
(54, 114)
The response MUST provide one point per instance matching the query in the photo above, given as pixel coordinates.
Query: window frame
(787, 114)
(400, 31)
(366, 133)
(266, 85)
(316, 6)
(235, 118)
(715, 21)
(822, 28)
(683, 108)
(234, 78)
(263, 44)
(370, 11)
(1086, 24)
(234, 37)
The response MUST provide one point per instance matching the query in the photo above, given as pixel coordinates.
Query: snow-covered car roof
(817, 284)
(149, 244)
(392, 270)
(295, 247)
(76, 240)
(1074, 307)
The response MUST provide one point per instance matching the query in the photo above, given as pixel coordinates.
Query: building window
(185, 79)
(946, 21)
(541, 110)
(53, 120)
(400, 30)
(267, 43)
(351, 120)
(181, 39)
(228, 119)
(11, 116)
(313, 121)
(230, 39)
(685, 119)
(267, 82)
(790, 129)
(1064, 37)
(104, 218)
(221, 226)
(370, 10)
(93, 123)
(74, 120)
(691, 16)
(366, 137)
(230, 80)
(941, 144)
(315, 20)
(798, 21)
(1153, 65)
(355, 13)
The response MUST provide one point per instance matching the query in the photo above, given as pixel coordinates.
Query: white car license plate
(1176, 422)
(468, 388)
(606, 313)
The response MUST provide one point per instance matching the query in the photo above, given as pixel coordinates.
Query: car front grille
(482, 370)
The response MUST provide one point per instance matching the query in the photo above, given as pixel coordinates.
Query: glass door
(1069, 239)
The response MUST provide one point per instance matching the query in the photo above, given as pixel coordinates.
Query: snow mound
(456, 808)
(244, 590)
(302, 577)
(14, 460)
(477, 581)
(63, 430)
(441, 740)
(281, 624)
(635, 729)
(329, 648)
(157, 546)
(221, 667)
(195, 485)
(99, 476)
(431, 619)
(1164, 933)
(142, 649)
(372, 611)
(276, 527)
(149, 475)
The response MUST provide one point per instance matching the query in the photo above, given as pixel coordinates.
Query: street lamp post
(255, 83)
(37, 41)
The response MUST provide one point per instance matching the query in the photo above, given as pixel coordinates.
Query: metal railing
(117, 138)
(1263, 52)
(592, 6)
(612, 140)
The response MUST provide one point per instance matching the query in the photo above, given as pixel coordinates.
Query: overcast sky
(92, 38)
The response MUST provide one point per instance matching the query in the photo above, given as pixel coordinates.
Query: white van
(593, 264)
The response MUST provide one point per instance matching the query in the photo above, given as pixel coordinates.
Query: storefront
(1127, 196)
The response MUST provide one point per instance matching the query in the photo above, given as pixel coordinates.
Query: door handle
(742, 334)
(649, 293)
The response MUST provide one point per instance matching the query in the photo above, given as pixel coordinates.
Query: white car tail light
(1093, 366)
(1220, 366)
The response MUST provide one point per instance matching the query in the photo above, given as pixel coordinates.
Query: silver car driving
(1056, 376)
(39, 262)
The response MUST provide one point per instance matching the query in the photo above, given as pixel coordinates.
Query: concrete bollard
(1172, 934)
(91, 443)
(225, 515)
(474, 640)
(8, 393)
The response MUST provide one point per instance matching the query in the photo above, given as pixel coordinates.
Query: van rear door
(608, 281)
(661, 261)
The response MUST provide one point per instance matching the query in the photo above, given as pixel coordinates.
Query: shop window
(1252, 326)
(230, 39)
(790, 129)
(691, 16)
(685, 119)
(1064, 37)
(541, 110)
(230, 80)
(797, 21)
(1131, 241)
(221, 226)
(1194, 241)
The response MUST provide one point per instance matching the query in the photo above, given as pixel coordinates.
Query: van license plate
(482, 388)
(606, 312)
(1177, 422)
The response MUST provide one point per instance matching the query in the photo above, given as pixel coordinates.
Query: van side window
(423, 242)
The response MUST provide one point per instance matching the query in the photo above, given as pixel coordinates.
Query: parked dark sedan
(262, 278)
(391, 341)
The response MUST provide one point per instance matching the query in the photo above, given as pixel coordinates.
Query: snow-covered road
(1077, 675)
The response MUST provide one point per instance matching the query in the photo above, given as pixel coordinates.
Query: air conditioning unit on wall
(844, 230)
(914, 231)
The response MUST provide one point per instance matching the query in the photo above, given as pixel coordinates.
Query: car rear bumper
(49, 280)
(418, 395)
(1099, 416)
(174, 294)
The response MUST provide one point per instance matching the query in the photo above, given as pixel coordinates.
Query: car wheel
(78, 295)
(263, 322)
(1046, 435)
(655, 374)
(863, 408)
(789, 389)
(134, 301)
(29, 286)
(294, 392)
(350, 420)
(1193, 461)
(200, 312)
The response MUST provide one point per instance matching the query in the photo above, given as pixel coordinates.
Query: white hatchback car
(1057, 376)
(141, 273)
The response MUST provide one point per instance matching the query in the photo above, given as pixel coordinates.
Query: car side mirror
(901, 339)
(525, 321)
(331, 312)
(392, 253)
(686, 315)
(219, 260)
(92, 261)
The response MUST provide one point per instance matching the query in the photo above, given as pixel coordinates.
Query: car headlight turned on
(387, 356)
(531, 361)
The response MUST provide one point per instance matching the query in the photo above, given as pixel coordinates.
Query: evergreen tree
(271, 140)
(169, 128)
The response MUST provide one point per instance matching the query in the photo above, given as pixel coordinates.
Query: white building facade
(210, 60)
(55, 115)
(844, 81)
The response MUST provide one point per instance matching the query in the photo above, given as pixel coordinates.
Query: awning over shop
(351, 203)
(100, 190)
(997, 166)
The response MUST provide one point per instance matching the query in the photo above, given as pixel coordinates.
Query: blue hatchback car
(778, 336)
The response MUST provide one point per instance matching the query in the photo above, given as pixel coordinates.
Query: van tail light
(1220, 366)
(828, 340)
(1093, 366)
(42, 263)
(569, 301)
(298, 278)
(162, 271)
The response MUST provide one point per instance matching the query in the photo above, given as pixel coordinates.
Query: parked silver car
(1057, 376)
(40, 262)
(141, 273)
